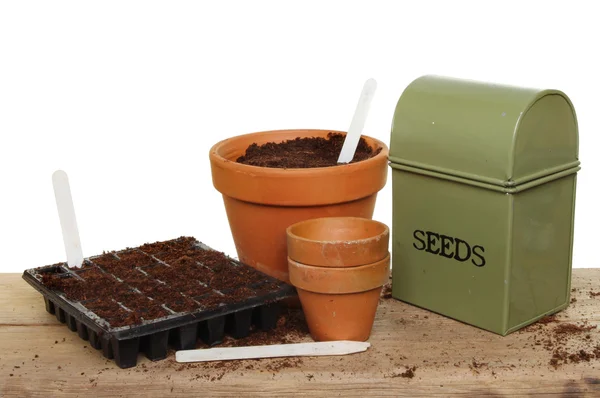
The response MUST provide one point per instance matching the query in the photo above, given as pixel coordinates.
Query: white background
(128, 97)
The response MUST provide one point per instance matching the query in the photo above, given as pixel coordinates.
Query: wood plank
(442, 350)
(20, 303)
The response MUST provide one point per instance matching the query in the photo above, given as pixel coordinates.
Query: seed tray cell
(157, 295)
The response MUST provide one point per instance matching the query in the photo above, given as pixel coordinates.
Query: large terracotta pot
(261, 202)
(339, 266)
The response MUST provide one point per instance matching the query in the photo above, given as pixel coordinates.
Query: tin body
(483, 181)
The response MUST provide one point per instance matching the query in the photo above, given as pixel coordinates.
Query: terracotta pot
(261, 202)
(350, 262)
(338, 241)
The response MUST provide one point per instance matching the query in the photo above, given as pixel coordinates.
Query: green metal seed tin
(483, 180)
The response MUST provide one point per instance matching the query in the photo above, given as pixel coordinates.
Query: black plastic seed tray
(218, 311)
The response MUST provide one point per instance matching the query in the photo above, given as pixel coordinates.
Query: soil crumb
(409, 373)
(386, 292)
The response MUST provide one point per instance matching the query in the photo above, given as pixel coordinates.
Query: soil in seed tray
(176, 245)
(114, 314)
(135, 285)
(136, 259)
(304, 152)
(107, 261)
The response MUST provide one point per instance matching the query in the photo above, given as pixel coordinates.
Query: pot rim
(386, 231)
(357, 279)
(258, 170)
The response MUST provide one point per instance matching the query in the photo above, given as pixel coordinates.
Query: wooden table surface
(40, 357)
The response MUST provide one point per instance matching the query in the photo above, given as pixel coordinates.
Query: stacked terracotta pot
(339, 265)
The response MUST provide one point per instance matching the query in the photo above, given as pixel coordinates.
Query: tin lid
(490, 133)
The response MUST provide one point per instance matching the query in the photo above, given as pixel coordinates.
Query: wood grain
(451, 359)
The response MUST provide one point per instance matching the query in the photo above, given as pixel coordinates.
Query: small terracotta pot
(338, 241)
(261, 202)
(349, 263)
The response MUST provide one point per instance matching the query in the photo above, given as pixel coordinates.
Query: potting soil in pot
(304, 152)
(143, 298)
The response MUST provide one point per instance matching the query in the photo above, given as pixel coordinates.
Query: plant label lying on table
(325, 348)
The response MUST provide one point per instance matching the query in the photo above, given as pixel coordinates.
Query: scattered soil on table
(274, 365)
(568, 342)
(594, 294)
(159, 279)
(476, 366)
(291, 328)
(306, 152)
(570, 329)
(565, 342)
(547, 319)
